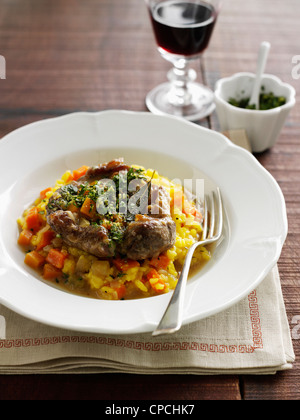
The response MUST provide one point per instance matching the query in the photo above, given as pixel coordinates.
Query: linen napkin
(252, 337)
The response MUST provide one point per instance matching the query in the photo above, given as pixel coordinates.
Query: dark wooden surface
(71, 55)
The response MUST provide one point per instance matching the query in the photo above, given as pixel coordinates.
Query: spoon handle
(261, 65)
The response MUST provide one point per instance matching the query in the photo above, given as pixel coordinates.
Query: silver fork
(212, 231)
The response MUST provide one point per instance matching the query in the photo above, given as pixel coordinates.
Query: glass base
(201, 102)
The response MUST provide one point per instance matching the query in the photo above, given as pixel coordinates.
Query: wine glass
(182, 30)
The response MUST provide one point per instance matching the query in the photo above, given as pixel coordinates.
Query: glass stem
(180, 77)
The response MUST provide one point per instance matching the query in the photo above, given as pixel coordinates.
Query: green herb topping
(266, 101)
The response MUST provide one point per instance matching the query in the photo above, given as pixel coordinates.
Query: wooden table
(70, 55)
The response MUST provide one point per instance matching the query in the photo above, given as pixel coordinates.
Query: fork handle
(172, 318)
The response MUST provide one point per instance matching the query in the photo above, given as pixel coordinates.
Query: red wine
(183, 28)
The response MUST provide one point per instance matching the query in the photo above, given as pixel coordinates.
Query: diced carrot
(155, 280)
(32, 219)
(161, 262)
(56, 258)
(119, 288)
(198, 216)
(189, 209)
(73, 208)
(176, 198)
(68, 177)
(78, 173)
(46, 239)
(50, 272)
(121, 291)
(125, 264)
(44, 192)
(34, 260)
(88, 208)
(153, 273)
(25, 237)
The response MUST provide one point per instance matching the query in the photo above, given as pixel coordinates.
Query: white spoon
(261, 64)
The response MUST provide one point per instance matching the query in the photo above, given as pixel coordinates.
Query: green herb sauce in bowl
(266, 101)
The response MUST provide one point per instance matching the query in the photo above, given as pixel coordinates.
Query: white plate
(33, 157)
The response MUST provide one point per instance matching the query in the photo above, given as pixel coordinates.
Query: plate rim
(229, 146)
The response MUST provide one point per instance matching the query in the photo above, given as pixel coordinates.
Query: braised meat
(90, 238)
(104, 171)
(97, 215)
(147, 237)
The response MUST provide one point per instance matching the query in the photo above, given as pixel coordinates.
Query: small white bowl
(262, 127)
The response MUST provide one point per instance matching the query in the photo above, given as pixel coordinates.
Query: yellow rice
(100, 277)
